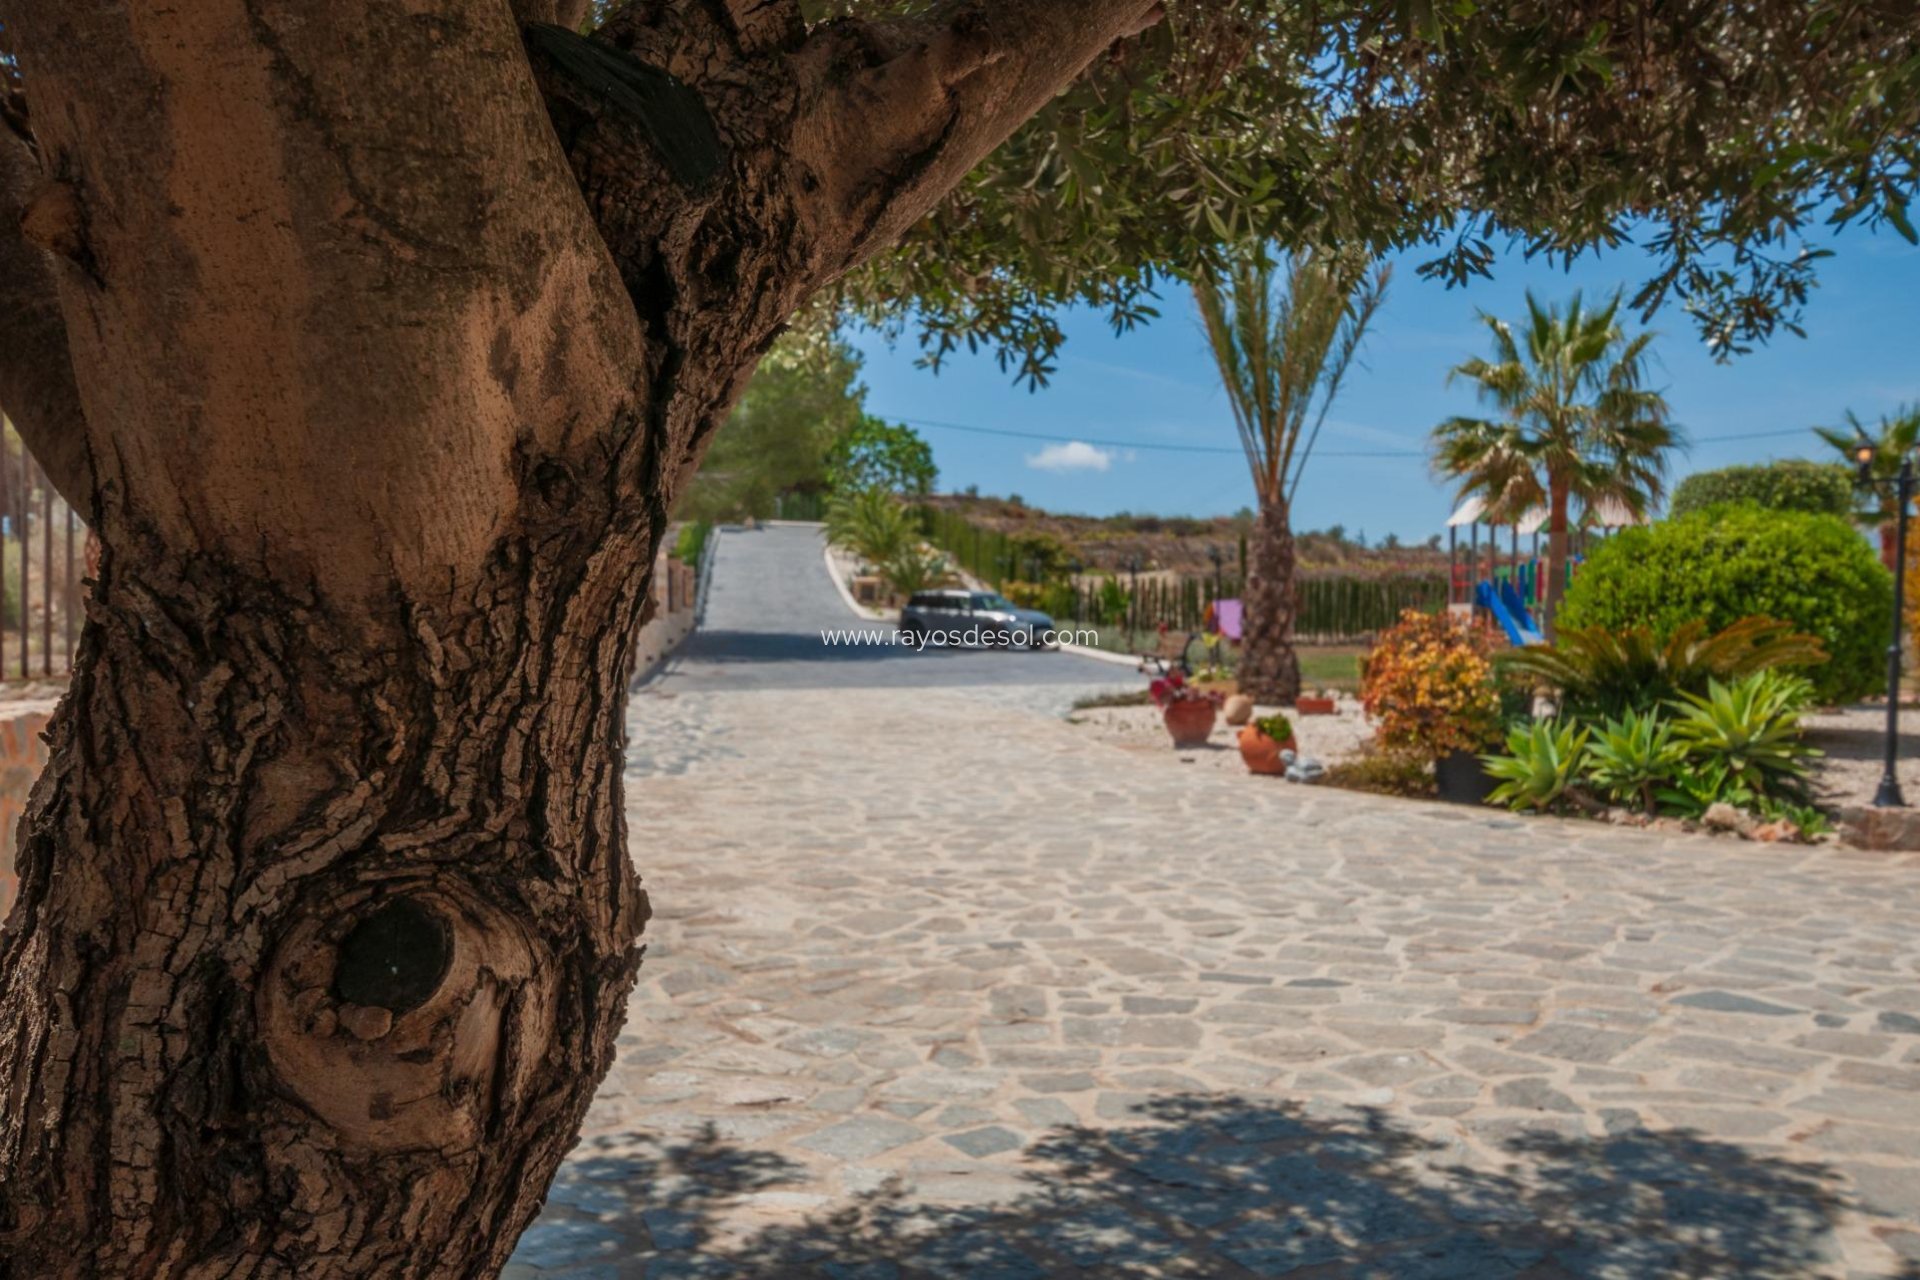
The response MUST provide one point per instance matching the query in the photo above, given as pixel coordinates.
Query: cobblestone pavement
(940, 985)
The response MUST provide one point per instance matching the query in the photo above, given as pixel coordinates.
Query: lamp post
(1888, 795)
(1133, 594)
(1218, 557)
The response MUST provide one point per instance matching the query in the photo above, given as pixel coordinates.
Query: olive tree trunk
(1269, 667)
(393, 331)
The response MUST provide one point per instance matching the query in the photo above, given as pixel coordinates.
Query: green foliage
(1575, 423)
(1277, 727)
(1598, 671)
(1738, 744)
(915, 568)
(881, 455)
(1040, 554)
(10, 587)
(1814, 572)
(1061, 602)
(1111, 602)
(1283, 332)
(1543, 758)
(871, 524)
(1630, 759)
(1723, 131)
(803, 396)
(1744, 738)
(1812, 823)
(1028, 595)
(1822, 488)
(692, 541)
(877, 527)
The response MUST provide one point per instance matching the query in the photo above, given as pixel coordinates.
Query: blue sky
(1157, 386)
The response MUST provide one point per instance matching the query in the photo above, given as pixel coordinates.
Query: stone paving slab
(937, 986)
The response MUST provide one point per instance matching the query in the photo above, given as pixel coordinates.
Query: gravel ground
(1323, 738)
(1854, 739)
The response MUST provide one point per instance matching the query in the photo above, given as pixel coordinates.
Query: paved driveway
(941, 987)
(771, 601)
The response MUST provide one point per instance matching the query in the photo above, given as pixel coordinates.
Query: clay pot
(1261, 753)
(1189, 721)
(1309, 706)
(1239, 709)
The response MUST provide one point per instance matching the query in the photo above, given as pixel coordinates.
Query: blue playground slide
(1504, 604)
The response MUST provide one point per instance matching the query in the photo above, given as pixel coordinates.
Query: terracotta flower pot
(1261, 753)
(1189, 721)
(1308, 706)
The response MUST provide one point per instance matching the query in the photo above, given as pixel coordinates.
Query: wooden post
(70, 598)
(26, 504)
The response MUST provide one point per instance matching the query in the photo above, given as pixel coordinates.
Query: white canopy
(1611, 514)
(1473, 508)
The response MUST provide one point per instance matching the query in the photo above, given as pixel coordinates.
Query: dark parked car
(975, 617)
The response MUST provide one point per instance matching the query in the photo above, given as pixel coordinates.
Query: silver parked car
(975, 617)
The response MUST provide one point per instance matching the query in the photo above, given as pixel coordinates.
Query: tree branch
(895, 113)
(570, 14)
(37, 389)
(817, 148)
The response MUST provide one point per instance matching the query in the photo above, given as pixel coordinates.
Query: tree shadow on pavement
(1224, 1187)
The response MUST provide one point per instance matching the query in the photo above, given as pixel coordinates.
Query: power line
(1754, 435)
(1135, 444)
(1221, 449)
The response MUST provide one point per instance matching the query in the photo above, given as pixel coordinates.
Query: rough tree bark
(394, 328)
(1269, 667)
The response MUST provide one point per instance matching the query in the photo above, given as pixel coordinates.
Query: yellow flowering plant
(1429, 687)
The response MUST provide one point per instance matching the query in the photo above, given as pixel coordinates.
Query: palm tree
(1576, 426)
(1283, 344)
(1893, 438)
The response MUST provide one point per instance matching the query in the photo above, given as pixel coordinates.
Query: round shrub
(1429, 687)
(1814, 571)
(1823, 488)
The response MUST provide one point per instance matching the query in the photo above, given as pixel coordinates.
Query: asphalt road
(770, 602)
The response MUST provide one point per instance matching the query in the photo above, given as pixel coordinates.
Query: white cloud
(1075, 456)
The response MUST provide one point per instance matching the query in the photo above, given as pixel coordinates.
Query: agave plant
(1543, 758)
(1599, 672)
(1745, 736)
(1631, 758)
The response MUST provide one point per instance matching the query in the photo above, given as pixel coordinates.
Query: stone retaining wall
(675, 609)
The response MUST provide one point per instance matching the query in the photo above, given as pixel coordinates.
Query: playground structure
(1508, 588)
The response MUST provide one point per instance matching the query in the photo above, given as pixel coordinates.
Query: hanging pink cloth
(1223, 619)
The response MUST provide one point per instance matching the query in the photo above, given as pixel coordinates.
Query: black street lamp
(1888, 795)
(1218, 557)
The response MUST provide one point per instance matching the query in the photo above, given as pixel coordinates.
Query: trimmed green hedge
(1814, 571)
(1823, 488)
